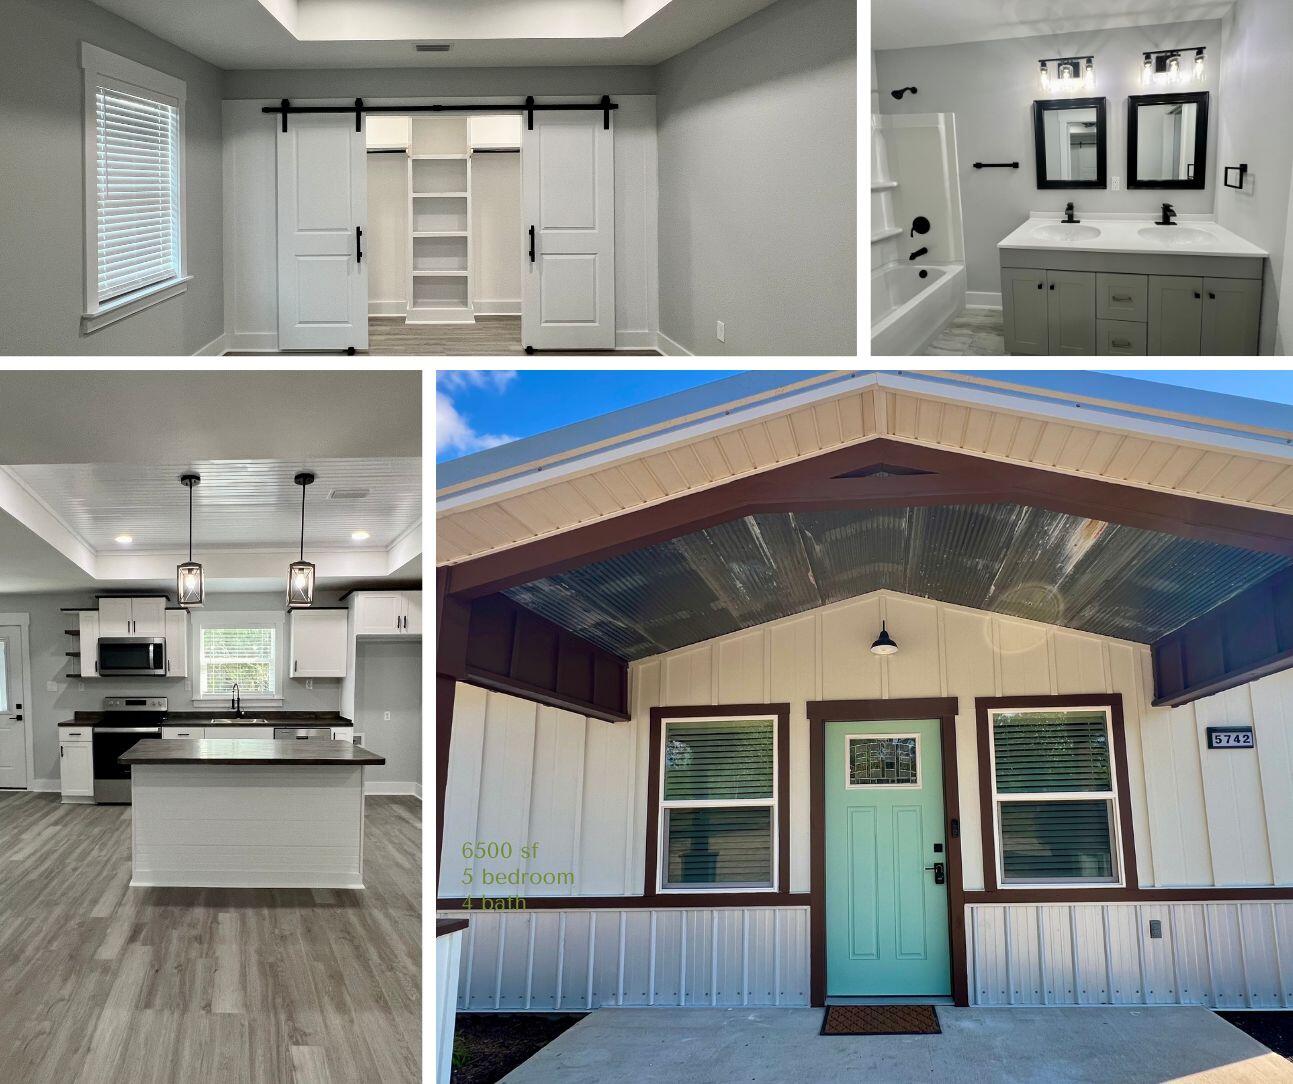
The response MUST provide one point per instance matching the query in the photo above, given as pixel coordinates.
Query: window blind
(241, 656)
(1056, 841)
(1051, 752)
(718, 761)
(730, 847)
(137, 178)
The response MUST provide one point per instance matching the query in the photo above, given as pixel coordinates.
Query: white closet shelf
(461, 273)
(877, 186)
(438, 157)
(439, 195)
(884, 235)
(439, 233)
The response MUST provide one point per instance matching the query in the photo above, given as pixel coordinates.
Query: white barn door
(568, 193)
(322, 213)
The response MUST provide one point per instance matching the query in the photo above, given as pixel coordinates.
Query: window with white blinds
(1054, 797)
(718, 803)
(243, 648)
(138, 192)
(134, 186)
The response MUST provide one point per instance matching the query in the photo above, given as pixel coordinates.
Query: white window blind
(138, 191)
(245, 656)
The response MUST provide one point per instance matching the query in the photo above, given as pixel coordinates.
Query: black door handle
(359, 244)
(1052, 285)
(1041, 286)
(531, 244)
(939, 876)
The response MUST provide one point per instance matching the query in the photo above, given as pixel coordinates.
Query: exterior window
(718, 804)
(1054, 798)
(241, 649)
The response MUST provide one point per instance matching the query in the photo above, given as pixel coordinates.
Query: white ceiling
(252, 34)
(905, 24)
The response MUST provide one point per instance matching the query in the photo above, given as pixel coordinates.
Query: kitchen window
(242, 649)
(719, 800)
(134, 187)
(1055, 799)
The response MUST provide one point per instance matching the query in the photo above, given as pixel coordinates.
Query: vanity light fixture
(1046, 78)
(189, 587)
(1163, 67)
(1088, 79)
(1072, 73)
(300, 574)
(884, 643)
(1198, 65)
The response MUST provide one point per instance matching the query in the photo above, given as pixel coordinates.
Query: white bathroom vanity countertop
(1194, 235)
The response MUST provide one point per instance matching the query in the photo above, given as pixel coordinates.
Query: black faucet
(1068, 215)
(918, 254)
(1169, 213)
(236, 705)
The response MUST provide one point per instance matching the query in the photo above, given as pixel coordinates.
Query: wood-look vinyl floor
(978, 332)
(489, 335)
(106, 984)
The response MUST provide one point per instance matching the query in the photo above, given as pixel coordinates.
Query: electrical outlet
(1116, 184)
(309, 683)
(51, 686)
(721, 332)
(386, 716)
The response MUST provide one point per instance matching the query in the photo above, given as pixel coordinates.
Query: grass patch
(489, 1045)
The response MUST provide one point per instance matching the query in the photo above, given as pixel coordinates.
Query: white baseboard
(498, 308)
(214, 349)
(46, 786)
(259, 342)
(636, 340)
(982, 299)
(376, 787)
(669, 348)
(388, 308)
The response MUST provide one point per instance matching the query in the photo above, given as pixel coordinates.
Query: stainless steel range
(127, 720)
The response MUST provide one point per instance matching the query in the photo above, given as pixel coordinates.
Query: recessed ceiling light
(124, 539)
(359, 536)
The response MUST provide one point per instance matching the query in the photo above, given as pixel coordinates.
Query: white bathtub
(907, 311)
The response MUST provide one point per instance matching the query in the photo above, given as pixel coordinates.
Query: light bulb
(1198, 66)
(1173, 69)
(1089, 80)
(1147, 72)
(1046, 77)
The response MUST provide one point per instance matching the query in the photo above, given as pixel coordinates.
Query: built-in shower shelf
(879, 186)
(884, 235)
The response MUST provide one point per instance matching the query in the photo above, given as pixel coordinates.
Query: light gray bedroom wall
(991, 86)
(758, 184)
(42, 187)
(1257, 86)
(451, 82)
(390, 680)
(49, 663)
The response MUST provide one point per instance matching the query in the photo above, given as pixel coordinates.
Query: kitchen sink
(240, 722)
(1178, 236)
(1066, 231)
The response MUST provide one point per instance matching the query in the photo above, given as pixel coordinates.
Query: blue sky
(477, 409)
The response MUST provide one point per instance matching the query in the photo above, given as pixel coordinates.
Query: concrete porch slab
(978, 1046)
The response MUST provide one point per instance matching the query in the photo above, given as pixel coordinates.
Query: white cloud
(454, 433)
(475, 379)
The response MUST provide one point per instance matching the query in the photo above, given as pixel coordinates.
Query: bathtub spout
(918, 254)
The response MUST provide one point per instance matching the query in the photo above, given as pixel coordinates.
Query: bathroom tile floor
(973, 332)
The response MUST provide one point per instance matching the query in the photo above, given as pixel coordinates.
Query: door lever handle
(940, 876)
(359, 244)
(531, 244)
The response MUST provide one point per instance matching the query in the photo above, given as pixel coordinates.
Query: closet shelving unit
(440, 288)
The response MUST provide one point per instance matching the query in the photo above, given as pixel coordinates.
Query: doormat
(880, 1020)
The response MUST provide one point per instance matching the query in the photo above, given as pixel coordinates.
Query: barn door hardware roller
(529, 107)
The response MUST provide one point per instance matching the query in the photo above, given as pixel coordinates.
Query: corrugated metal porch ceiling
(1025, 562)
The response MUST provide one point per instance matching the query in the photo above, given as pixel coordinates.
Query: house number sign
(1230, 737)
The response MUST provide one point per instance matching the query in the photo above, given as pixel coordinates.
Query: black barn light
(189, 588)
(884, 644)
(300, 574)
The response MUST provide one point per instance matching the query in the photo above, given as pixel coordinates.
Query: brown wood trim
(781, 712)
(446, 926)
(816, 482)
(452, 620)
(1125, 895)
(988, 813)
(821, 712)
(716, 901)
(538, 695)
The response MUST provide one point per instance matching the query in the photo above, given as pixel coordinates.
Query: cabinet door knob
(1041, 286)
(1052, 285)
(1198, 297)
(1212, 296)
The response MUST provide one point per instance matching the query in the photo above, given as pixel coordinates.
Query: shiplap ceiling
(238, 505)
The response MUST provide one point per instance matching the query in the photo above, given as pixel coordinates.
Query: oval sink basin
(1061, 231)
(1178, 236)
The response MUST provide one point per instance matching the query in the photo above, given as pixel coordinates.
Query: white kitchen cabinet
(132, 616)
(388, 613)
(265, 733)
(89, 643)
(177, 643)
(413, 613)
(343, 733)
(194, 733)
(76, 765)
(319, 646)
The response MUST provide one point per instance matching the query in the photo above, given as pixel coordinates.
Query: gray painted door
(1071, 312)
(1023, 292)
(1232, 314)
(1175, 315)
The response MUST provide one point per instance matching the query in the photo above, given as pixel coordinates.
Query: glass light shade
(884, 644)
(1089, 80)
(1046, 76)
(1174, 69)
(1198, 67)
(189, 588)
(300, 584)
(1147, 73)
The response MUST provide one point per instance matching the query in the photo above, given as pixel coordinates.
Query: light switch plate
(721, 332)
(386, 716)
(51, 686)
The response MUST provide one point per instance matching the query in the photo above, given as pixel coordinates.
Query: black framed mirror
(1167, 140)
(1071, 137)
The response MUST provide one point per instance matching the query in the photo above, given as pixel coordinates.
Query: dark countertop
(247, 751)
(445, 926)
(206, 718)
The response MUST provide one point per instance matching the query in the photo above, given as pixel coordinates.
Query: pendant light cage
(300, 574)
(190, 588)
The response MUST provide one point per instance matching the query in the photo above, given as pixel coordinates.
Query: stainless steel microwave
(125, 656)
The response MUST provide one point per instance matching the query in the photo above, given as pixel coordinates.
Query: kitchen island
(248, 813)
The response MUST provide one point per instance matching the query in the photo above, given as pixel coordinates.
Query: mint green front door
(886, 915)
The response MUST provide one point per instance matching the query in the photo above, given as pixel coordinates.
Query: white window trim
(662, 844)
(920, 773)
(1120, 876)
(240, 619)
(100, 64)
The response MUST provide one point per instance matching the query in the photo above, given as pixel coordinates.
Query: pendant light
(884, 644)
(189, 588)
(300, 574)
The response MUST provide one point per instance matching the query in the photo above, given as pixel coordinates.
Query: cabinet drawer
(75, 734)
(1122, 297)
(264, 732)
(193, 732)
(1120, 337)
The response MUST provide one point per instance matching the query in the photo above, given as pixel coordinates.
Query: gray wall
(1257, 82)
(758, 184)
(42, 187)
(991, 85)
(422, 82)
(390, 679)
(49, 663)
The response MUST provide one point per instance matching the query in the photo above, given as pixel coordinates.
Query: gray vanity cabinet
(1071, 312)
(1204, 316)
(1175, 315)
(1024, 309)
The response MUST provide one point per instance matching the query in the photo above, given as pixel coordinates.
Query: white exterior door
(568, 194)
(13, 729)
(322, 206)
